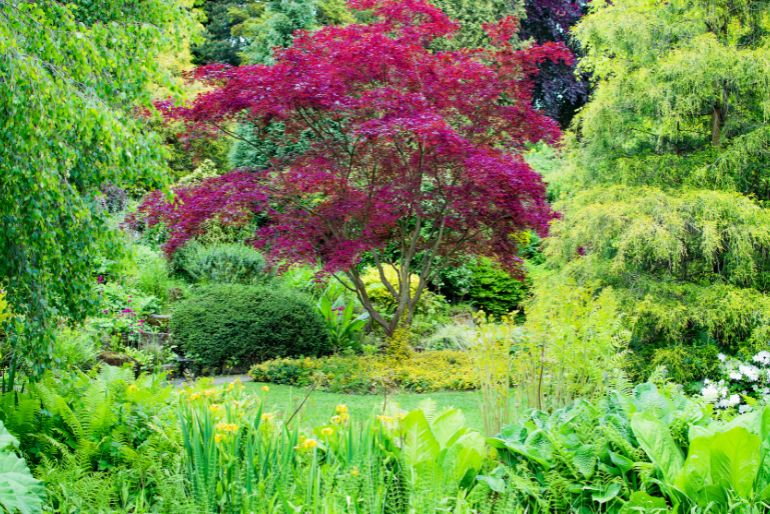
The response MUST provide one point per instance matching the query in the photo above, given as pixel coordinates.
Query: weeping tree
(71, 78)
(667, 168)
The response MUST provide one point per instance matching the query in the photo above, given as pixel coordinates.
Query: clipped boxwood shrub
(237, 325)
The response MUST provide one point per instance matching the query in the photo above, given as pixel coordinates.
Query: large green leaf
(466, 455)
(446, 426)
(19, 490)
(723, 462)
(656, 441)
(7, 441)
(419, 443)
(763, 474)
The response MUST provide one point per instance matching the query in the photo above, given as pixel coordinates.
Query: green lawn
(319, 407)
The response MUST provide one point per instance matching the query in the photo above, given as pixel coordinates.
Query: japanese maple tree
(410, 150)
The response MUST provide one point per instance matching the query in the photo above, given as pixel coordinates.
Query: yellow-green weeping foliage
(668, 173)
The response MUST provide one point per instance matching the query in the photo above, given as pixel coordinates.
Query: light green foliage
(101, 442)
(70, 79)
(726, 468)
(75, 349)
(573, 336)
(151, 276)
(472, 14)
(452, 336)
(682, 94)
(278, 21)
(239, 457)
(663, 182)
(491, 350)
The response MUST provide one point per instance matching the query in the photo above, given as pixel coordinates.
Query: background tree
(472, 15)
(71, 77)
(219, 44)
(668, 169)
(407, 150)
(560, 92)
(274, 28)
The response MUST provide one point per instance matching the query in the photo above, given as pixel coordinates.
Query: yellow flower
(327, 431)
(195, 396)
(210, 392)
(218, 438)
(132, 388)
(215, 407)
(309, 444)
(354, 471)
(227, 427)
(336, 420)
(230, 387)
(386, 419)
(341, 409)
(268, 417)
(265, 389)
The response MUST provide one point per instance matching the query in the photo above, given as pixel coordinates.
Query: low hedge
(444, 370)
(237, 326)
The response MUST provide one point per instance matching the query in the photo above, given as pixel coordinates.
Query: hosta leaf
(642, 503)
(622, 462)
(606, 493)
(584, 459)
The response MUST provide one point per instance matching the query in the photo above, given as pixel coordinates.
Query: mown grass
(319, 407)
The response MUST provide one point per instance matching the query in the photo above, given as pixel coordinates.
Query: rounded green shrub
(237, 325)
(494, 290)
(226, 263)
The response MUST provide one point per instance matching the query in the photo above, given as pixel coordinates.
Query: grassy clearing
(319, 407)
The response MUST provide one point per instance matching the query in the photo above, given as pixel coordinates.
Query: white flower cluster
(743, 380)
(718, 394)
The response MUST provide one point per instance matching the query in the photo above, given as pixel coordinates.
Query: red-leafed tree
(411, 150)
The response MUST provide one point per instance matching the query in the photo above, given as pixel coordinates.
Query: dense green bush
(494, 290)
(241, 325)
(484, 284)
(229, 263)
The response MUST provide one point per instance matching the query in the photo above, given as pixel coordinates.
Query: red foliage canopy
(411, 148)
